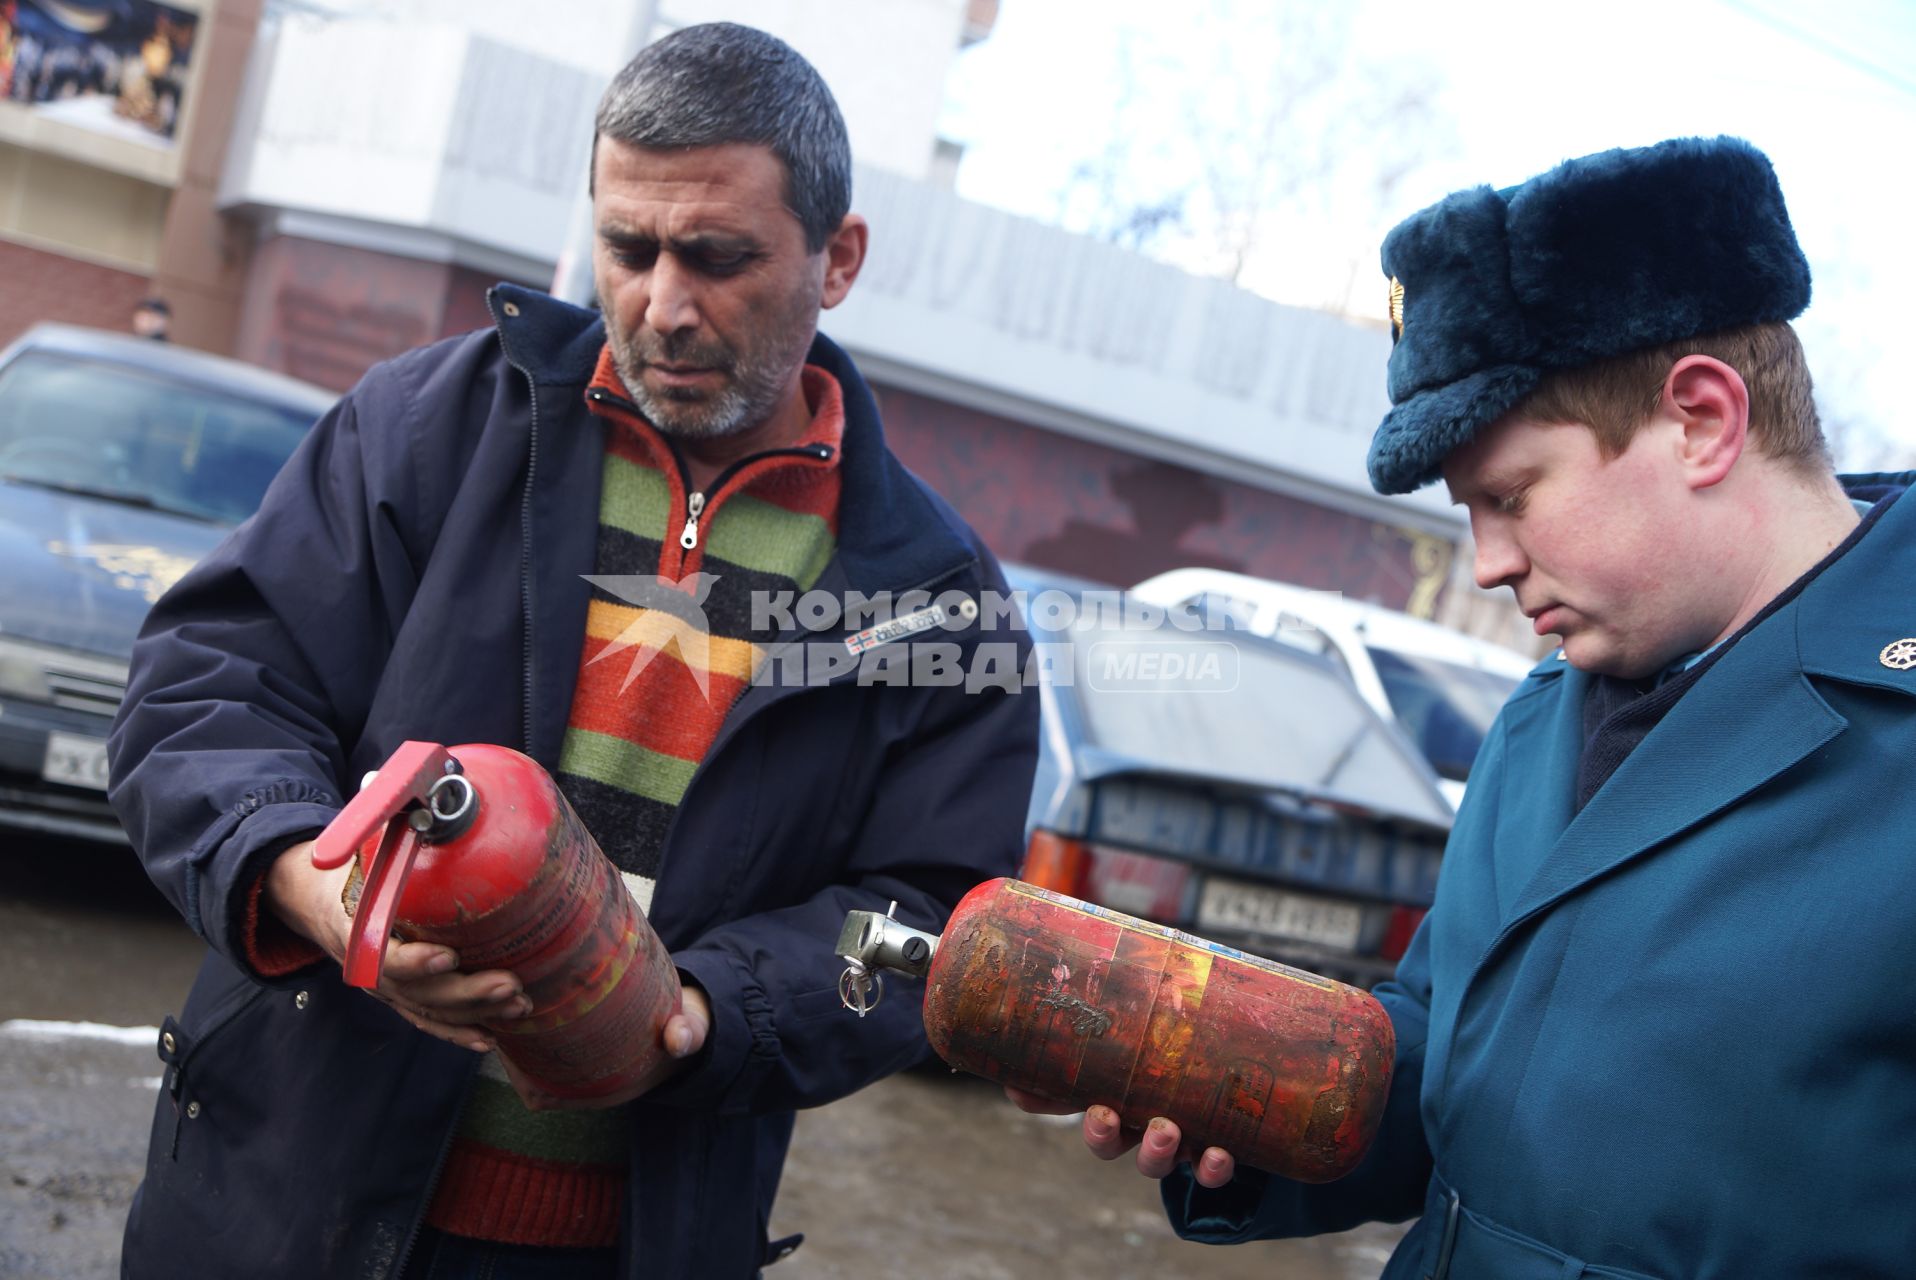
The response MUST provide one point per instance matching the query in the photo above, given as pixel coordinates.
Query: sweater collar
(892, 534)
(823, 397)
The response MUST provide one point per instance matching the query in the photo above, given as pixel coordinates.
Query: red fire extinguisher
(1287, 1071)
(474, 848)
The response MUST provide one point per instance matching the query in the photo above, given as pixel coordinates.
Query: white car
(1232, 788)
(1440, 686)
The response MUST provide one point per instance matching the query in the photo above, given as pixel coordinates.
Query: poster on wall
(114, 66)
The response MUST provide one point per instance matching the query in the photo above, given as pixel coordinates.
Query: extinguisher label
(558, 904)
(1173, 935)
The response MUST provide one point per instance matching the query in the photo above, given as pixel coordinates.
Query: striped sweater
(656, 680)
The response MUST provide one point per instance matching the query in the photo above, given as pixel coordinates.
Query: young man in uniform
(1654, 1024)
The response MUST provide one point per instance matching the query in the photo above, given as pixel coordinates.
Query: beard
(752, 381)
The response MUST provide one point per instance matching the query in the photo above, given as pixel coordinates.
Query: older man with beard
(481, 543)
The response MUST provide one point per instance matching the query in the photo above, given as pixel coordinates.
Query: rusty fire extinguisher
(1287, 1071)
(473, 847)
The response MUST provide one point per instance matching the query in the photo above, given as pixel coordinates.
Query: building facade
(114, 124)
(334, 188)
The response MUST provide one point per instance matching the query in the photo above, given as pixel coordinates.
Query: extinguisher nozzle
(880, 942)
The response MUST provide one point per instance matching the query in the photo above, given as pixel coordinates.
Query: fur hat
(1603, 255)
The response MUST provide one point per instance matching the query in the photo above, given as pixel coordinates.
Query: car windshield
(1446, 708)
(1246, 710)
(127, 435)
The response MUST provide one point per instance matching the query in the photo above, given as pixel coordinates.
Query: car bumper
(1358, 970)
(29, 800)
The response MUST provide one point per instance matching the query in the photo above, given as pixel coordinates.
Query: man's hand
(682, 1036)
(685, 1031)
(418, 979)
(1160, 1144)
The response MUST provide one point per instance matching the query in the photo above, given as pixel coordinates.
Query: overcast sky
(1828, 91)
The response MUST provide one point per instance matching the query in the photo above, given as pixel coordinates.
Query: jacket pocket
(180, 1049)
(1484, 1241)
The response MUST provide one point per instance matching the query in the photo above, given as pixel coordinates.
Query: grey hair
(719, 83)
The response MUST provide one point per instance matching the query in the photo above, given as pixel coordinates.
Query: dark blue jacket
(1666, 1035)
(415, 572)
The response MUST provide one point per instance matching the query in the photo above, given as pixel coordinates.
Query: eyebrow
(1494, 480)
(701, 241)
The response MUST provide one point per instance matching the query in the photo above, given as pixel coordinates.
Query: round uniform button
(192, 1111)
(299, 1001)
(166, 1040)
(512, 309)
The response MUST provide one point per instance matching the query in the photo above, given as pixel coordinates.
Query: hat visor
(1416, 436)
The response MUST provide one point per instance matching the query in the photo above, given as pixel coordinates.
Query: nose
(671, 300)
(1499, 560)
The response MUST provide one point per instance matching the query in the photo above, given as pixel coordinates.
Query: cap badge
(1899, 655)
(1396, 309)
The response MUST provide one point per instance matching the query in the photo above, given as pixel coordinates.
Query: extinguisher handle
(382, 807)
(403, 782)
(385, 880)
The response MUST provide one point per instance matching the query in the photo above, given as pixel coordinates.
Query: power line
(1823, 45)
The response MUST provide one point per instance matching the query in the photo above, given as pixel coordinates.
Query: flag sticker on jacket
(911, 624)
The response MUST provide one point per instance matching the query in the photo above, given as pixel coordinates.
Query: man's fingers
(683, 1036)
(1214, 1168)
(411, 961)
(685, 1031)
(1106, 1135)
(1158, 1149)
(462, 998)
(1158, 1145)
(465, 1037)
(415, 977)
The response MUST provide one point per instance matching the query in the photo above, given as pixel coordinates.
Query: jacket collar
(1851, 614)
(891, 536)
(1754, 716)
(553, 342)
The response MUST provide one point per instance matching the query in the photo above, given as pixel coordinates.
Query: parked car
(1225, 785)
(1441, 686)
(122, 462)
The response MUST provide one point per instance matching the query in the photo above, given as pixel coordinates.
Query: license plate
(1227, 904)
(75, 761)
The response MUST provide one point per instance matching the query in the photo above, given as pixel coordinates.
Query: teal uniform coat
(1674, 1034)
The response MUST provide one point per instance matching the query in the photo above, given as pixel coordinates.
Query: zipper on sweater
(694, 504)
(697, 500)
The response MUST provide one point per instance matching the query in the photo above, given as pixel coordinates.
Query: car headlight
(22, 674)
(43, 673)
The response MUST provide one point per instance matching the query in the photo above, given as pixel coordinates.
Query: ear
(1708, 400)
(844, 256)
